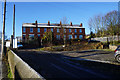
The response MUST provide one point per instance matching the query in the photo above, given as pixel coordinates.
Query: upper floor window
(80, 30)
(69, 30)
(75, 30)
(38, 30)
(45, 29)
(75, 36)
(58, 37)
(24, 30)
(31, 29)
(80, 36)
(51, 29)
(57, 29)
(70, 36)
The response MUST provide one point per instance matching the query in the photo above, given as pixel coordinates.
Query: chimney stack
(60, 23)
(70, 23)
(36, 23)
(48, 23)
(81, 25)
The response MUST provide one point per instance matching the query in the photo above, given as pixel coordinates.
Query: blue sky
(75, 12)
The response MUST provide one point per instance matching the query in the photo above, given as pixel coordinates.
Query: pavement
(53, 66)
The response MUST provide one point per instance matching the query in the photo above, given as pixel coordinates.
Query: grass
(9, 73)
(10, 76)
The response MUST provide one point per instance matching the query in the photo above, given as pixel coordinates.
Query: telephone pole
(3, 32)
(14, 22)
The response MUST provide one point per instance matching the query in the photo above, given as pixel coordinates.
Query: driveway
(53, 66)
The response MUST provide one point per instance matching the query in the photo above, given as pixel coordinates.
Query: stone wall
(112, 47)
(21, 67)
(104, 39)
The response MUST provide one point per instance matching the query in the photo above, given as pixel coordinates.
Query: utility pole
(13, 36)
(3, 33)
(14, 22)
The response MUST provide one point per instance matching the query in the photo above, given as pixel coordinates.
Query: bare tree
(111, 21)
(64, 22)
(94, 24)
(105, 24)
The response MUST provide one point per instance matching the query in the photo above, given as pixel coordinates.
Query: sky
(75, 12)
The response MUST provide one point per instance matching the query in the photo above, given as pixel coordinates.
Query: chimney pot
(60, 23)
(81, 24)
(36, 23)
(48, 23)
(70, 23)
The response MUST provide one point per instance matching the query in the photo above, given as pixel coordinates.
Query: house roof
(51, 25)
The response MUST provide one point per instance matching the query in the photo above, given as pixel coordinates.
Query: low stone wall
(104, 39)
(112, 47)
(21, 67)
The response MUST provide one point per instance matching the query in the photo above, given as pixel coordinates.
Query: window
(45, 29)
(80, 30)
(43, 35)
(69, 30)
(38, 30)
(75, 36)
(64, 30)
(31, 30)
(70, 36)
(64, 37)
(24, 37)
(75, 30)
(38, 35)
(57, 29)
(51, 29)
(80, 36)
(31, 36)
(58, 37)
(24, 30)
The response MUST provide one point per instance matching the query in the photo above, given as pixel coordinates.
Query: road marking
(64, 70)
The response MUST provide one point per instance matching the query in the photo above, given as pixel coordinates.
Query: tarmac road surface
(53, 67)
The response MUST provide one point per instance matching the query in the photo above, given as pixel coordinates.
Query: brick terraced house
(32, 30)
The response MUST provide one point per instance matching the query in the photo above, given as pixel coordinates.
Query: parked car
(19, 45)
(117, 53)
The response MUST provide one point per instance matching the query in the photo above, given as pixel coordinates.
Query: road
(53, 66)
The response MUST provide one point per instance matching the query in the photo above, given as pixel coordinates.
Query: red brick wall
(55, 32)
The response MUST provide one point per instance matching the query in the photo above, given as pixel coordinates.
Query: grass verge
(9, 73)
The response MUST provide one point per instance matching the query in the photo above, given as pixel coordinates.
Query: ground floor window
(64, 37)
(70, 36)
(31, 36)
(24, 37)
(58, 37)
(80, 36)
(75, 36)
(38, 35)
